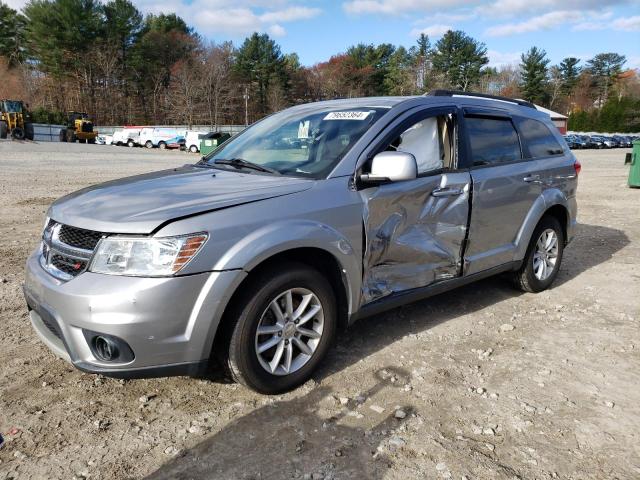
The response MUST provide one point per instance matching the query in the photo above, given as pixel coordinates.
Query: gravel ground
(483, 382)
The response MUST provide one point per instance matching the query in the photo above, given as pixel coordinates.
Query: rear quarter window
(492, 140)
(538, 139)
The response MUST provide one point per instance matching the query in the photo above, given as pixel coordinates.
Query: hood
(142, 203)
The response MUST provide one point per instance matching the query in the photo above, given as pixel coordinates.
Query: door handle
(531, 178)
(446, 192)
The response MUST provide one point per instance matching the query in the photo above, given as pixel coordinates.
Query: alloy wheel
(545, 255)
(289, 331)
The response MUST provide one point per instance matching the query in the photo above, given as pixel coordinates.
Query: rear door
(505, 186)
(415, 230)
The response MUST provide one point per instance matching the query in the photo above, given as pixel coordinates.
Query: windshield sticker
(303, 129)
(347, 115)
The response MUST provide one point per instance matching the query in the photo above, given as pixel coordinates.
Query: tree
(569, 71)
(555, 85)
(604, 67)
(12, 42)
(459, 58)
(422, 55)
(534, 75)
(217, 88)
(123, 25)
(400, 76)
(259, 63)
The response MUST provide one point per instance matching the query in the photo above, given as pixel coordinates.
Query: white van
(158, 136)
(126, 136)
(193, 140)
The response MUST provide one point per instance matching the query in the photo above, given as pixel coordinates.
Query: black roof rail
(451, 93)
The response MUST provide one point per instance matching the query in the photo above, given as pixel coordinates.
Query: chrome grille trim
(62, 260)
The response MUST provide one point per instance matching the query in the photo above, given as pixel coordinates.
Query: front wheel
(193, 149)
(286, 321)
(544, 256)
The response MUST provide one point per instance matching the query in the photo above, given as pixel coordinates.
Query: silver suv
(256, 256)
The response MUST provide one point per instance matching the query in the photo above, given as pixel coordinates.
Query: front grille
(66, 250)
(68, 265)
(79, 237)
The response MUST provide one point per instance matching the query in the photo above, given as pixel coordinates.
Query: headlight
(145, 256)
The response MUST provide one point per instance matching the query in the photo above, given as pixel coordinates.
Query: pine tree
(534, 75)
(12, 43)
(604, 67)
(459, 58)
(569, 72)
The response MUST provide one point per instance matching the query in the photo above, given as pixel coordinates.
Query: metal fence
(51, 133)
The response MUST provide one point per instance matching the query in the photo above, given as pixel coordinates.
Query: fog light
(105, 349)
(108, 348)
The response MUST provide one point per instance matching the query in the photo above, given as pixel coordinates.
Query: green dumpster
(634, 171)
(210, 141)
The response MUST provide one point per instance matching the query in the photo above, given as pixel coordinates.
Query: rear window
(493, 140)
(538, 139)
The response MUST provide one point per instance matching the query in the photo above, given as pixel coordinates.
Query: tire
(530, 278)
(3, 129)
(82, 140)
(91, 141)
(62, 136)
(131, 144)
(28, 131)
(17, 133)
(254, 306)
(193, 149)
(71, 136)
(148, 144)
(162, 145)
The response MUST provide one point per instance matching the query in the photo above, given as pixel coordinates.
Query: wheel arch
(314, 257)
(553, 203)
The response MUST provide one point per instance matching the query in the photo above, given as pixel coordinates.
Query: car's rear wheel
(148, 144)
(286, 321)
(544, 256)
(193, 149)
(162, 145)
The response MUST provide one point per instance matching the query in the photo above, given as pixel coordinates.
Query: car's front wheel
(544, 256)
(286, 321)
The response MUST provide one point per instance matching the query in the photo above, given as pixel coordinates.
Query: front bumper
(169, 323)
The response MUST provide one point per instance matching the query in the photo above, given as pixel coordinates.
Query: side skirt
(409, 296)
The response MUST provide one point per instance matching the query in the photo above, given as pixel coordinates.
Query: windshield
(13, 106)
(305, 142)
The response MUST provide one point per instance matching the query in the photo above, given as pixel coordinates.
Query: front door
(415, 230)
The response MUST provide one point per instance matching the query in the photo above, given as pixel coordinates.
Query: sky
(316, 29)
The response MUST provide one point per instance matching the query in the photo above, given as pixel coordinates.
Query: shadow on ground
(289, 438)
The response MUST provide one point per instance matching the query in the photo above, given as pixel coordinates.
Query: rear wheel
(544, 256)
(131, 144)
(162, 145)
(62, 136)
(3, 129)
(193, 149)
(286, 321)
(148, 144)
(71, 136)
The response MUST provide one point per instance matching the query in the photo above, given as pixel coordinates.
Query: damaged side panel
(414, 233)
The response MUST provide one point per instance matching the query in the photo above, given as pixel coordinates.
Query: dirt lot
(483, 382)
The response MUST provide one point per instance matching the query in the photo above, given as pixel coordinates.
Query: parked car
(151, 137)
(623, 141)
(259, 254)
(173, 143)
(593, 141)
(573, 142)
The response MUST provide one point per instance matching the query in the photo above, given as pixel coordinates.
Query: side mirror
(392, 167)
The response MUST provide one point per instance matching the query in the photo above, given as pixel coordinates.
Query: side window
(538, 138)
(493, 140)
(431, 141)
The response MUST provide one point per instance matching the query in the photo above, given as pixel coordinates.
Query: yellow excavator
(15, 120)
(79, 127)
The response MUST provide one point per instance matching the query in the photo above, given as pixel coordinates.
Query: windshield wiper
(242, 163)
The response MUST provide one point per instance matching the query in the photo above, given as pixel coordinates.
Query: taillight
(577, 166)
